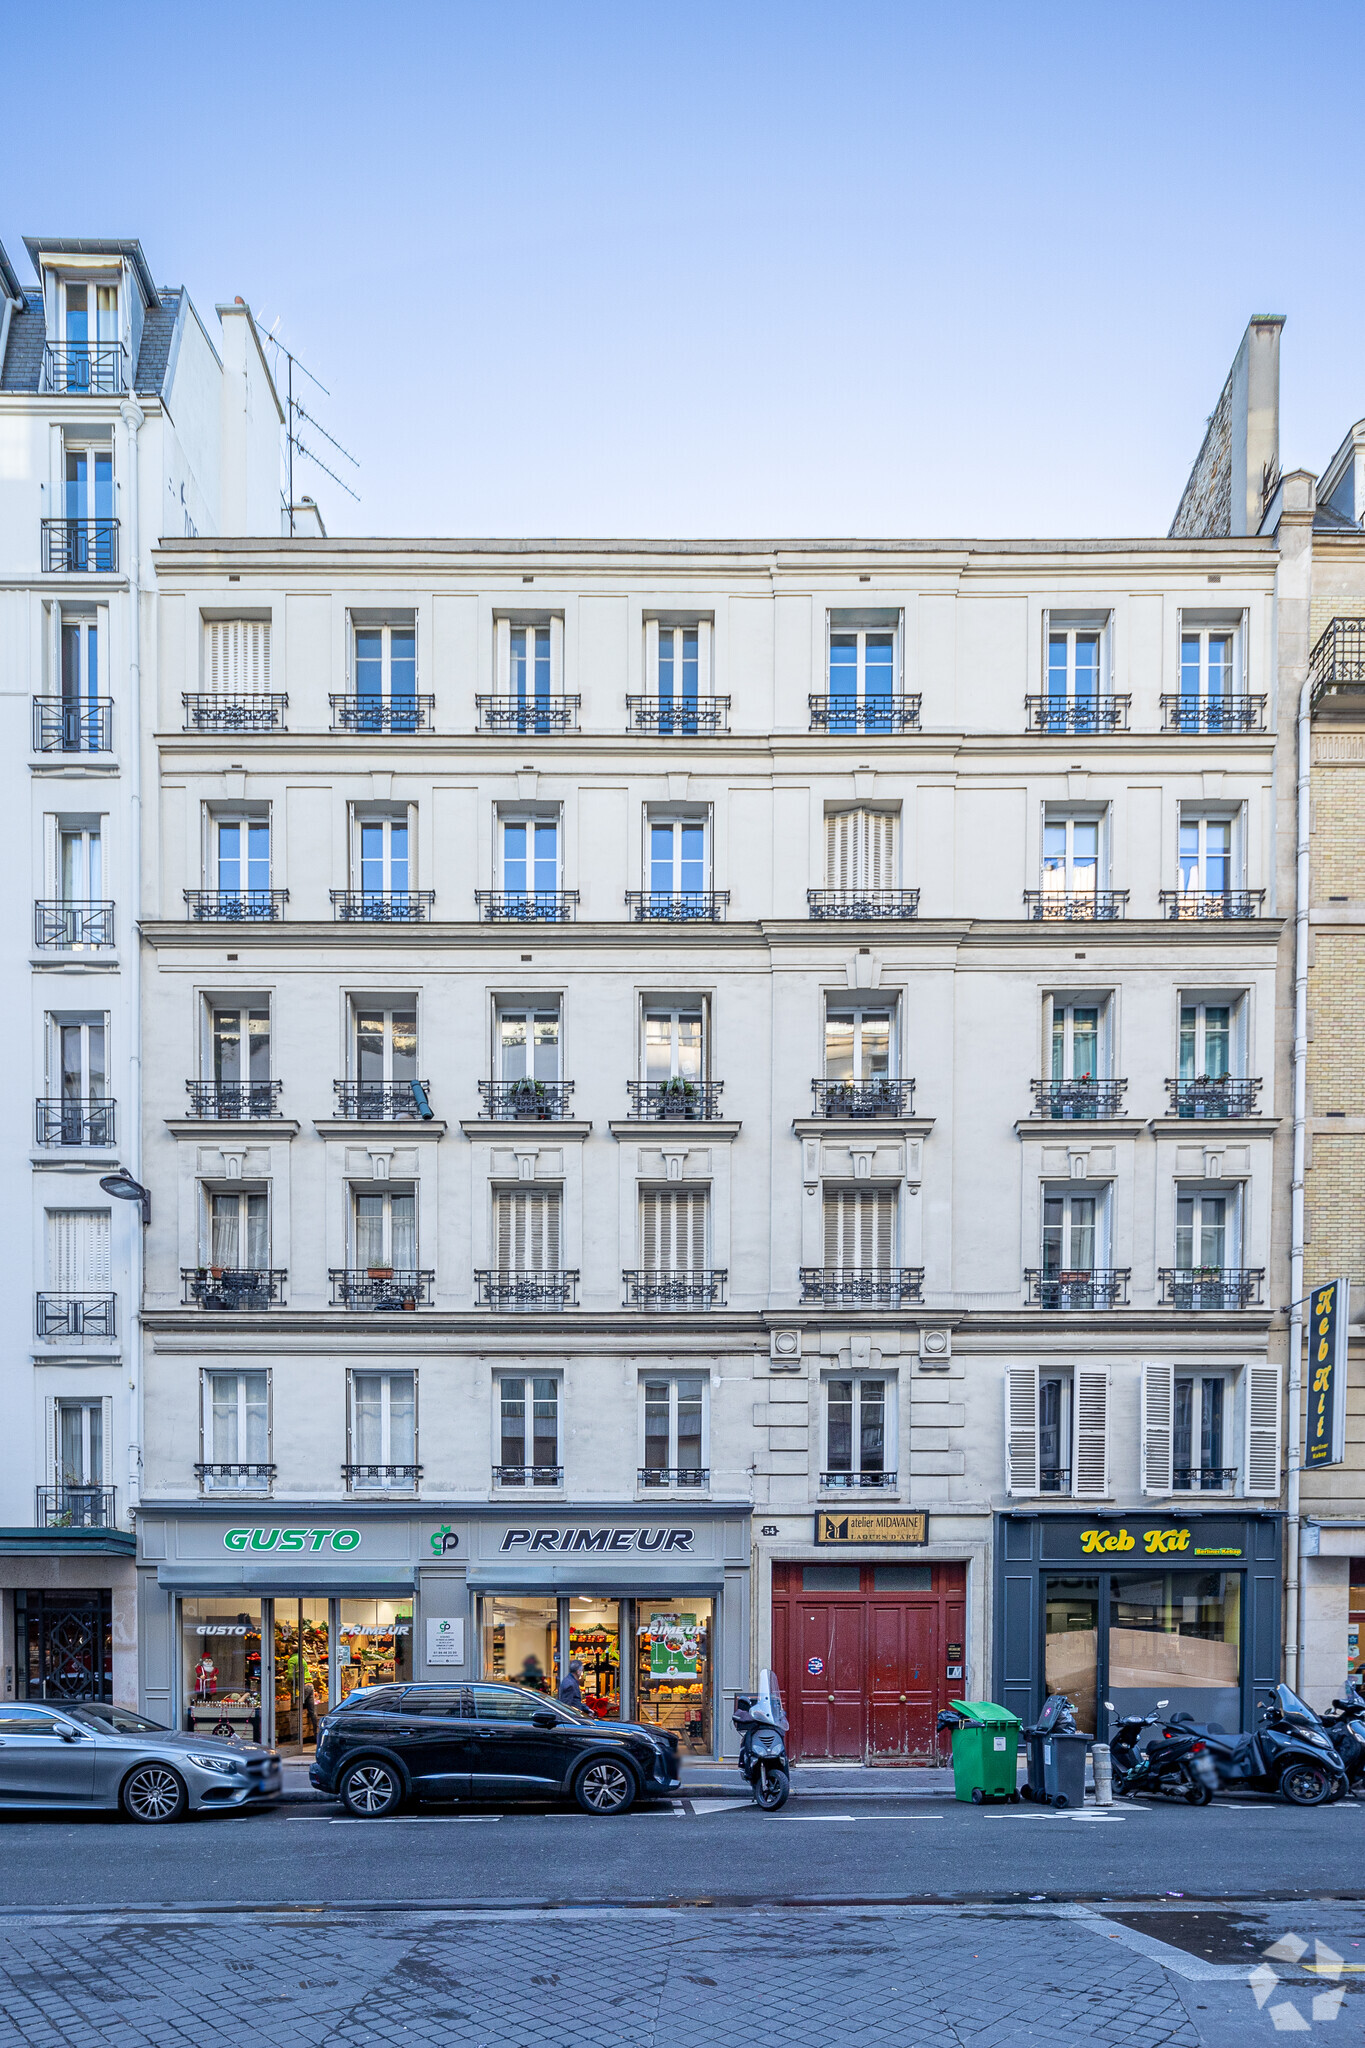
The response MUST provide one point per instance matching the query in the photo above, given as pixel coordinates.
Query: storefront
(67, 1613)
(1132, 1609)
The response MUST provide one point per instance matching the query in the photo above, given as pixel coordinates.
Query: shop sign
(445, 1639)
(1327, 1333)
(312, 1540)
(221, 1628)
(870, 1527)
(598, 1539)
(1175, 1542)
(674, 1647)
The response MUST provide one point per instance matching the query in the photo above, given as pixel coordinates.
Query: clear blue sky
(732, 268)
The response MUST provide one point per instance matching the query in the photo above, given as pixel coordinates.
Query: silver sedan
(94, 1755)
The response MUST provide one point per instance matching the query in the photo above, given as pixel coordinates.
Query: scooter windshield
(1291, 1705)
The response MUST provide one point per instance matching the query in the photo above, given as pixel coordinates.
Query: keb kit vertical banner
(1329, 1316)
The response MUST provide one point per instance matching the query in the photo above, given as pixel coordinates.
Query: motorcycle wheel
(1306, 1785)
(1198, 1795)
(772, 1789)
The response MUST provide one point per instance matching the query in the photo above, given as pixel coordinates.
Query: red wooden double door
(862, 1655)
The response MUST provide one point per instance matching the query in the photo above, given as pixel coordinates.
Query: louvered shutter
(836, 850)
(528, 1230)
(1158, 1417)
(860, 1229)
(1021, 1429)
(1263, 1429)
(503, 1221)
(51, 1470)
(238, 656)
(105, 1475)
(1091, 1433)
(673, 1230)
(860, 849)
(78, 1251)
(879, 867)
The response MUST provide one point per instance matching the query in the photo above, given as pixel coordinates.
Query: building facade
(120, 421)
(711, 1104)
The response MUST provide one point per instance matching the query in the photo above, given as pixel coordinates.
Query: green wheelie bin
(985, 1750)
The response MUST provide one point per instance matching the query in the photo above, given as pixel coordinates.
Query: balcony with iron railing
(703, 1288)
(499, 1287)
(242, 1290)
(857, 1482)
(364, 715)
(1078, 1287)
(1197, 1288)
(1199, 904)
(1337, 662)
(676, 1101)
(85, 369)
(526, 906)
(235, 906)
(382, 906)
(1212, 714)
(73, 927)
(848, 905)
(1075, 906)
(1076, 715)
(234, 711)
(1203, 1478)
(75, 1507)
(678, 717)
(677, 906)
(234, 1101)
(868, 715)
(84, 1120)
(526, 1100)
(862, 1286)
(664, 1478)
(76, 1316)
(880, 1097)
(528, 1475)
(64, 726)
(381, 1289)
(544, 715)
(1214, 1095)
(80, 547)
(1081, 1100)
(381, 1478)
(383, 1102)
(255, 1475)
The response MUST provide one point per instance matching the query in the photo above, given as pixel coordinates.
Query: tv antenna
(298, 412)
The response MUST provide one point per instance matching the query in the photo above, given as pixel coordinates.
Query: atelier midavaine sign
(1329, 1316)
(872, 1528)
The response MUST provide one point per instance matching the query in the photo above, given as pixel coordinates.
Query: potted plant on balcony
(528, 1098)
(379, 1272)
(678, 1097)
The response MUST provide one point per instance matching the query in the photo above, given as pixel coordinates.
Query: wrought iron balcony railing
(673, 1475)
(867, 715)
(1203, 1478)
(1337, 661)
(1214, 1095)
(857, 1482)
(881, 1097)
(843, 904)
(670, 716)
(77, 1315)
(1072, 906)
(381, 1288)
(1203, 903)
(383, 1102)
(676, 1101)
(73, 927)
(86, 1120)
(381, 1478)
(235, 906)
(528, 714)
(1078, 1287)
(379, 906)
(382, 714)
(526, 906)
(862, 1286)
(226, 1476)
(1083, 1100)
(1054, 1479)
(703, 1288)
(1213, 714)
(526, 1101)
(1211, 1287)
(63, 727)
(73, 547)
(528, 1475)
(234, 1101)
(232, 1289)
(677, 906)
(1077, 714)
(498, 1288)
(236, 711)
(75, 1507)
(78, 369)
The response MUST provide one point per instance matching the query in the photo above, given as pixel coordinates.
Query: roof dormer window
(86, 353)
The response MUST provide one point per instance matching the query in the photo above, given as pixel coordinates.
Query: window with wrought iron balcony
(77, 920)
(1074, 1275)
(1200, 1408)
(1075, 870)
(674, 1416)
(527, 1085)
(528, 1445)
(861, 866)
(383, 1275)
(862, 1061)
(78, 1462)
(235, 1432)
(85, 357)
(69, 1316)
(674, 1052)
(380, 862)
(381, 1433)
(1208, 1239)
(862, 1267)
(678, 873)
(84, 539)
(675, 1272)
(529, 1274)
(235, 1275)
(382, 1086)
(1212, 697)
(83, 1115)
(1080, 1087)
(384, 697)
(1211, 867)
(1212, 1043)
(237, 698)
(529, 874)
(860, 1428)
(677, 702)
(75, 1506)
(77, 720)
(1337, 662)
(239, 890)
(866, 692)
(530, 697)
(236, 1050)
(1078, 698)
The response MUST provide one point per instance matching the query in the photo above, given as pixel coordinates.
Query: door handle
(902, 1699)
(831, 1699)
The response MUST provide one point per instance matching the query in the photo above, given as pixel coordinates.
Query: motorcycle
(1290, 1753)
(763, 1748)
(1345, 1725)
(1179, 1764)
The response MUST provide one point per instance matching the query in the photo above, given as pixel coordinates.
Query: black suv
(390, 1743)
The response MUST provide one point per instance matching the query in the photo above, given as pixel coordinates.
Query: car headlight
(227, 1765)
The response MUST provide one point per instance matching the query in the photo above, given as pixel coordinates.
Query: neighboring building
(119, 423)
(711, 1103)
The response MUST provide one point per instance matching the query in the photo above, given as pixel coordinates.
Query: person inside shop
(531, 1674)
(571, 1685)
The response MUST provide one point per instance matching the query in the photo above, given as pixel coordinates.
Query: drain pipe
(1293, 1578)
(133, 416)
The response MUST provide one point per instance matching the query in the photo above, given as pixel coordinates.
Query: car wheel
(1306, 1785)
(371, 1789)
(604, 1786)
(154, 1793)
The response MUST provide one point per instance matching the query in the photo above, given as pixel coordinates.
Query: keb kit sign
(1329, 1314)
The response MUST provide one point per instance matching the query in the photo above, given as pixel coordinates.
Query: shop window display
(301, 1676)
(220, 1667)
(1355, 1660)
(595, 1643)
(673, 1669)
(521, 1642)
(1177, 1635)
(1071, 1659)
(374, 1644)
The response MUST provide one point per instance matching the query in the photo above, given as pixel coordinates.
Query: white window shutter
(504, 1227)
(105, 1475)
(1263, 1429)
(1158, 1426)
(836, 849)
(1091, 1433)
(1021, 1429)
(650, 1202)
(834, 1204)
(696, 1243)
(885, 1234)
(51, 1469)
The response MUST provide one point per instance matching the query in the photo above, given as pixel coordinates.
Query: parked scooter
(763, 1748)
(1290, 1753)
(1179, 1766)
(1345, 1725)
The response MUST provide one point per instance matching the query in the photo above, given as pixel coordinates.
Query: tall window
(1053, 1462)
(855, 1429)
(529, 1431)
(1205, 1041)
(1206, 856)
(1069, 1234)
(674, 1042)
(383, 1427)
(382, 858)
(860, 1229)
(674, 1228)
(236, 1428)
(1076, 1047)
(91, 335)
(385, 1043)
(90, 500)
(239, 1044)
(677, 856)
(1071, 856)
(859, 1042)
(80, 1446)
(239, 1232)
(860, 849)
(673, 1428)
(384, 1230)
(530, 856)
(241, 849)
(527, 1044)
(527, 1229)
(386, 677)
(1204, 1231)
(78, 1251)
(80, 1052)
(862, 678)
(1208, 669)
(1197, 1432)
(528, 665)
(677, 661)
(80, 656)
(1074, 668)
(80, 870)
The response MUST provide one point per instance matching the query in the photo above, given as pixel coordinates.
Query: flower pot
(379, 1272)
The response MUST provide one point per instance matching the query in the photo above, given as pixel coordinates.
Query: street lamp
(127, 1189)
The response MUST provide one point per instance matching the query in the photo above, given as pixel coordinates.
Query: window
(80, 1444)
(860, 1042)
(674, 1228)
(1077, 1048)
(529, 661)
(527, 1043)
(528, 1432)
(385, 1047)
(527, 1228)
(1071, 856)
(1197, 1440)
(677, 661)
(1206, 855)
(1208, 668)
(860, 850)
(1206, 1041)
(530, 856)
(238, 1231)
(856, 1417)
(240, 855)
(91, 356)
(674, 1042)
(80, 870)
(384, 1230)
(860, 1230)
(239, 1044)
(678, 863)
(89, 506)
(237, 657)
(385, 678)
(1070, 1226)
(77, 1052)
(863, 675)
(383, 1429)
(236, 1431)
(83, 728)
(1054, 1474)
(1075, 667)
(673, 1419)
(1205, 1232)
(78, 1251)
(380, 859)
